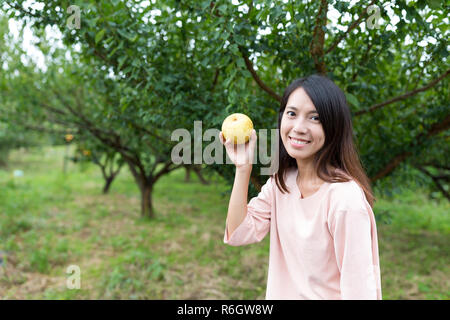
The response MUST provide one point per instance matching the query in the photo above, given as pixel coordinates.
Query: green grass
(50, 220)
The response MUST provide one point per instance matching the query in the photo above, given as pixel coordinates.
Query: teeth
(299, 141)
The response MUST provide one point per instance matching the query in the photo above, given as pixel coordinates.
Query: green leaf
(234, 49)
(239, 39)
(352, 99)
(222, 8)
(121, 61)
(112, 52)
(434, 4)
(99, 35)
(240, 63)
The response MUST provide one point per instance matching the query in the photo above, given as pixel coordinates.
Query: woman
(317, 206)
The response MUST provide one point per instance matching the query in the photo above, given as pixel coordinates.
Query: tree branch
(436, 181)
(247, 61)
(350, 28)
(403, 96)
(436, 165)
(112, 140)
(364, 60)
(394, 162)
(166, 169)
(34, 127)
(216, 77)
(316, 46)
(258, 80)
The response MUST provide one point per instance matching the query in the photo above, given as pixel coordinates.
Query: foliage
(169, 63)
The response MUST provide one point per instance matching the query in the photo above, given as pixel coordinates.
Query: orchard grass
(50, 220)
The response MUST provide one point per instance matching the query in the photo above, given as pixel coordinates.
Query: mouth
(299, 143)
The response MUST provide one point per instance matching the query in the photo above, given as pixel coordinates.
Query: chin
(299, 154)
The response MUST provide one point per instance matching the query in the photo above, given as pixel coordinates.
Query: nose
(300, 127)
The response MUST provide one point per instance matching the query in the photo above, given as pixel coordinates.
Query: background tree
(13, 132)
(205, 59)
(96, 103)
(108, 160)
(395, 76)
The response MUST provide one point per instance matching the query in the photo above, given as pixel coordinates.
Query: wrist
(244, 168)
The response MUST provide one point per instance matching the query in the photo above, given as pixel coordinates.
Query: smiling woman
(301, 129)
(317, 206)
(314, 110)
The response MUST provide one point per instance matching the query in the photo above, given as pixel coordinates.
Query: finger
(229, 145)
(253, 137)
(241, 154)
(223, 140)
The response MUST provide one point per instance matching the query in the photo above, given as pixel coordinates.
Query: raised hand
(241, 154)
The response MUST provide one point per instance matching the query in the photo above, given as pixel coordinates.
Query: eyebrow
(294, 108)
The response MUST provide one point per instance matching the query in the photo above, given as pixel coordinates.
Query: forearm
(237, 207)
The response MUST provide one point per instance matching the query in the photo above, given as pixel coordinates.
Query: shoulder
(346, 196)
(348, 201)
(344, 189)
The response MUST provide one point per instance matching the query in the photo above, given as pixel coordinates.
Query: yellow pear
(69, 137)
(238, 127)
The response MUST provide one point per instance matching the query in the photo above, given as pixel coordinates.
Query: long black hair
(338, 159)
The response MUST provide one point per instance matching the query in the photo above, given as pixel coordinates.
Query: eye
(291, 112)
(317, 118)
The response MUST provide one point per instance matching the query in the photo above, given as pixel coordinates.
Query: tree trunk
(108, 182)
(197, 170)
(146, 201)
(146, 188)
(187, 177)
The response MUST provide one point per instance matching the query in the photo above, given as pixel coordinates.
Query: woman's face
(301, 121)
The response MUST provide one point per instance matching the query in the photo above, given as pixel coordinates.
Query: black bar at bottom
(213, 309)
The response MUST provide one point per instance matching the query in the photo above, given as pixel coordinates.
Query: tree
(108, 160)
(205, 59)
(144, 101)
(12, 136)
(395, 76)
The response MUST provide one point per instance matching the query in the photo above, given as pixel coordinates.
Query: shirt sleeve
(256, 223)
(352, 235)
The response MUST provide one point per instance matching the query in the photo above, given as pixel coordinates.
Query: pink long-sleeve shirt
(323, 246)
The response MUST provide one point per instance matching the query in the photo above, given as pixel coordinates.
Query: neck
(306, 172)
